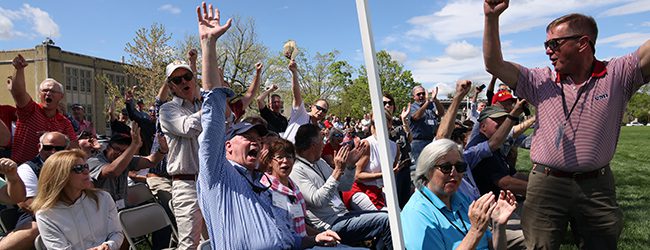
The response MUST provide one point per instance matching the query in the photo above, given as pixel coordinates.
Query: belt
(157, 175)
(184, 177)
(573, 175)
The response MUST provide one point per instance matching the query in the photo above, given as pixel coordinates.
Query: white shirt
(29, 178)
(374, 164)
(299, 117)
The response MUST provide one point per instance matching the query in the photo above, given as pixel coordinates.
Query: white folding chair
(143, 220)
(138, 194)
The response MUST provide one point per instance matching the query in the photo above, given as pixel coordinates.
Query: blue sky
(439, 41)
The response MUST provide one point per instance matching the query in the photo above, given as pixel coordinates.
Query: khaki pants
(188, 214)
(588, 205)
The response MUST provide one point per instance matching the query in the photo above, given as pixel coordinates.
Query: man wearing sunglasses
(424, 117)
(26, 230)
(180, 121)
(299, 115)
(580, 105)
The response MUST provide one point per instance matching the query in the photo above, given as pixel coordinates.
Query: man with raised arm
(36, 118)
(299, 115)
(426, 111)
(238, 210)
(273, 112)
(580, 105)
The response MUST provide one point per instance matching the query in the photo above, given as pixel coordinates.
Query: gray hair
(417, 87)
(427, 159)
(52, 81)
(54, 133)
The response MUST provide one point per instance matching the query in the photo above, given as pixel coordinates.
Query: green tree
(393, 78)
(639, 106)
(149, 52)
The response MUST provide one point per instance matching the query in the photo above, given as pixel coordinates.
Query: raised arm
(447, 123)
(16, 84)
(520, 128)
(508, 72)
(14, 192)
(252, 89)
(440, 109)
(163, 93)
(111, 110)
(500, 136)
(490, 90)
(117, 167)
(261, 99)
(153, 159)
(644, 60)
(295, 84)
(210, 29)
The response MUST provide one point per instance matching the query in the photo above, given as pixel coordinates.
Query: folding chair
(8, 218)
(205, 245)
(39, 244)
(138, 194)
(143, 220)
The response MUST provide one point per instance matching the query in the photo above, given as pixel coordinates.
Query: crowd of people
(244, 181)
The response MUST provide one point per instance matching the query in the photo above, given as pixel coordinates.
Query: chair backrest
(143, 220)
(205, 245)
(39, 244)
(138, 194)
(8, 219)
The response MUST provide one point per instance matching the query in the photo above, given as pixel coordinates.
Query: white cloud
(170, 8)
(398, 56)
(389, 39)
(637, 6)
(462, 50)
(461, 19)
(42, 24)
(646, 24)
(625, 40)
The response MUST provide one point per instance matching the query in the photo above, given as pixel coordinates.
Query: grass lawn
(631, 167)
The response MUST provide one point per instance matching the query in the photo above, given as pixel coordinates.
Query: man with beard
(36, 118)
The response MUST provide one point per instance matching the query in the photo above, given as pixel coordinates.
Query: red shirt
(8, 115)
(31, 124)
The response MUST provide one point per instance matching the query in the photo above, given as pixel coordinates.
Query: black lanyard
(319, 173)
(464, 233)
(567, 112)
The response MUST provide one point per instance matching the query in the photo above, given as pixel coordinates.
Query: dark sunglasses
(419, 94)
(339, 135)
(177, 79)
(80, 168)
(446, 168)
(555, 43)
(391, 103)
(50, 147)
(324, 110)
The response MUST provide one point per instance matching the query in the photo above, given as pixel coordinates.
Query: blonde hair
(54, 176)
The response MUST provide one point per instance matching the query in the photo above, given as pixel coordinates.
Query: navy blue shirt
(424, 128)
(490, 170)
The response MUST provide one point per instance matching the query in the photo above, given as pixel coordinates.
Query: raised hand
(356, 153)
(341, 157)
(19, 62)
(463, 87)
(519, 107)
(327, 238)
(209, 22)
(258, 66)
(434, 93)
(192, 55)
(274, 87)
(8, 166)
(405, 111)
(505, 205)
(480, 210)
(495, 7)
(136, 140)
(293, 67)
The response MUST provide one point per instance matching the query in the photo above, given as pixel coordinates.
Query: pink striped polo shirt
(591, 133)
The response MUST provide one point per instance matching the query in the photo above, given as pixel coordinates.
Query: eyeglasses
(447, 167)
(53, 91)
(321, 109)
(339, 135)
(50, 147)
(391, 103)
(555, 43)
(80, 168)
(419, 94)
(177, 80)
(285, 157)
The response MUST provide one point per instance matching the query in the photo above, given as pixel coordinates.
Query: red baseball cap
(502, 96)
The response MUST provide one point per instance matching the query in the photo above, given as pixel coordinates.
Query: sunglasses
(339, 135)
(555, 43)
(419, 94)
(446, 168)
(50, 147)
(324, 110)
(391, 103)
(80, 168)
(178, 79)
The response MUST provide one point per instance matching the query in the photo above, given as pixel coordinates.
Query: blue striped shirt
(236, 216)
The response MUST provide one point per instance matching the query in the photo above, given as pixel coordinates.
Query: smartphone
(481, 88)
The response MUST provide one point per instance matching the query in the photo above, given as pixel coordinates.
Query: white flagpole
(380, 125)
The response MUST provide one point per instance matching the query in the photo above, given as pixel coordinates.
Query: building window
(78, 79)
